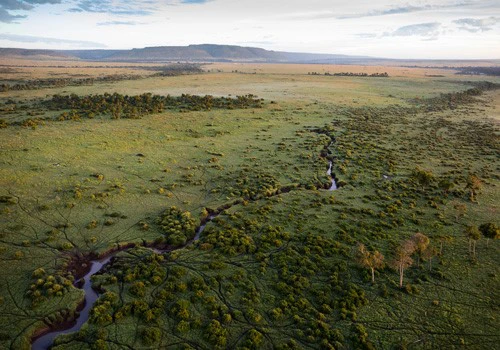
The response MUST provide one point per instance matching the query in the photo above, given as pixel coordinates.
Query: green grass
(281, 266)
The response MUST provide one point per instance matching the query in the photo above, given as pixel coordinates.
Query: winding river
(45, 341)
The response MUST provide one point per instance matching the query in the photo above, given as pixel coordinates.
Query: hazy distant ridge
(203, 52)
(215, 53)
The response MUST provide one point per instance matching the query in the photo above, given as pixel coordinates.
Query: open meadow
(209, 191)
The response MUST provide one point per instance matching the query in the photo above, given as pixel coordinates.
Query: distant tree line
(350, 74)
(494, 71)
(419, 245)
(454, 99)
(177, 69)
(62, 82)
(124, 106)
(168, 70)
(116, 106)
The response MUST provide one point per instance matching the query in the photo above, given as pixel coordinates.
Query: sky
(432, 29)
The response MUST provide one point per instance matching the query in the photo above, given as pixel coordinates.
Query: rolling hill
(223, 53)
(199, 53)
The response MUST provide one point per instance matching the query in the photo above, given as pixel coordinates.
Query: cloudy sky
(382, 28)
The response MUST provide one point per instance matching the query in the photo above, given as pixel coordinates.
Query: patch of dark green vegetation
(177, 69)
(455, 99)
(351, 74)
(178, 226)
(493, 71)
(116, 106)
(249, 285)
(36, 84)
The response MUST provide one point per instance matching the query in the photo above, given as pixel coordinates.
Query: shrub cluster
(178, 226)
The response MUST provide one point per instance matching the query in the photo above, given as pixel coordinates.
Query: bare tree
(429, 253)
(442, 238)
(460, 210)
(402, 258)
(473, 235)
(421, 242)
(474, 185)
(369, 260)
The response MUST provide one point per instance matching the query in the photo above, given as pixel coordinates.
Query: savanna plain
(205, 191)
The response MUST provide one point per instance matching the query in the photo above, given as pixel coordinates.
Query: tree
(369, 260)
(446, 185)
(423, 177)
(151, 335)
(429, 253)
(474, 185)
(442, 239)
(421, 242)
(489, 230)
(460, 210)
(217, 334)
(473, 235)
(402, 258)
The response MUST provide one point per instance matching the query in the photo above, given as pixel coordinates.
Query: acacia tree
(473, 235)
(490, 231)
(460, 211)
(446, 185)
(370, 260)
(421, 242)
(423, 177)
(402, 258)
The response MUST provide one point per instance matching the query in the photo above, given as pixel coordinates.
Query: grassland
(276, 269)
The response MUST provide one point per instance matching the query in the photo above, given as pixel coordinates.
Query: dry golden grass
(49, 67)
(289, 83)
(263, 68)
(39, 67)
(57, 68)
(281, 82)
(22, 68)
(20, 61)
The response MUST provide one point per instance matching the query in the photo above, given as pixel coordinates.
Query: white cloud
(420, 29)
(474, 25)
(38, 39)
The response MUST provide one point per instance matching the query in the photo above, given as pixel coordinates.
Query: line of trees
(419, 246)
(473, 234)
(350, 74)
(62, 82)
(124, 106)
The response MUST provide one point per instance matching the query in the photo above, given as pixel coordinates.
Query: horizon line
(253, 47)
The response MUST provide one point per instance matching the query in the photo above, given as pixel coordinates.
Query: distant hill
(30, 53)
(204, 52)
(197, 53)
(211, 53)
